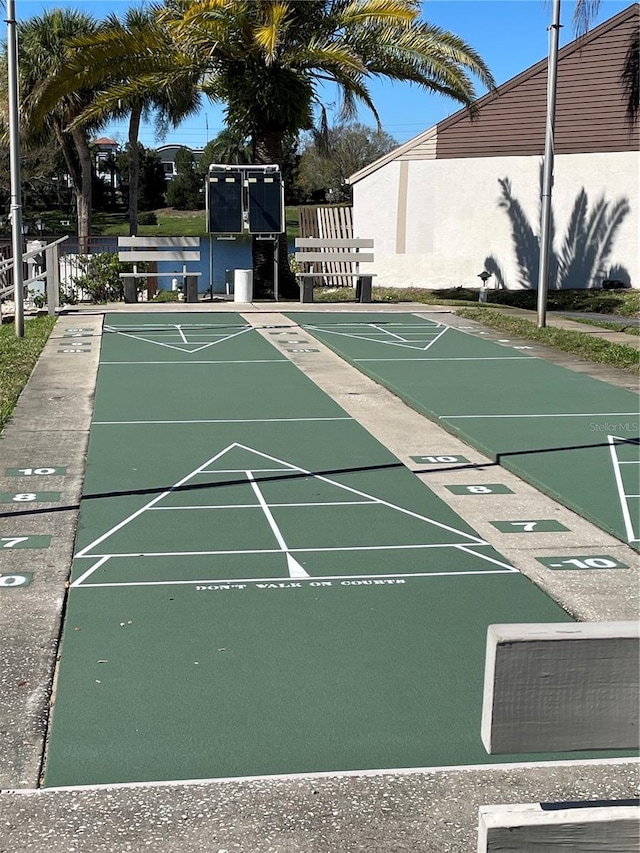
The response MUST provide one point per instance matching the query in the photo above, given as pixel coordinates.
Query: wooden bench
(562, 827)
(179, 250)
(558, 688)
(561, 687)
(325, 259)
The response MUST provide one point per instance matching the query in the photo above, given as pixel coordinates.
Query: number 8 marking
(26, 496)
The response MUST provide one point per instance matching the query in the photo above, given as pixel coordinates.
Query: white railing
(49, 273)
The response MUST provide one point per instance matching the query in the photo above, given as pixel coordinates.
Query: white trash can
(243, 285)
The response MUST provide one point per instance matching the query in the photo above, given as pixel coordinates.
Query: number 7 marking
(527, 526)
(12, 541)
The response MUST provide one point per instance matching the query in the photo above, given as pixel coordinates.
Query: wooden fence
(335, 222)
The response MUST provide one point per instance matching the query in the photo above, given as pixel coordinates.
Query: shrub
(166, 296)
(100, 277)
(147, 218)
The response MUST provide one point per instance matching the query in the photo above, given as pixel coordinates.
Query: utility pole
(547, 177)
(14, 166)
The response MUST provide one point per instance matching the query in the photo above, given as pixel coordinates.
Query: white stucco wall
(454, 222)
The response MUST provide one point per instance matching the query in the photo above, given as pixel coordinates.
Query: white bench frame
(137, 250)
(317, 256)
(555, 688)
(565, 828)
(560, 687)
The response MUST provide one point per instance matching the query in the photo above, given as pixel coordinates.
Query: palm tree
(266, 60)
(91, 62)
(227, 147)
(42, 54)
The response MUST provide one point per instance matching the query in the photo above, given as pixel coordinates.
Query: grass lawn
(625, 303)
(613, 327)
(186, 223)
(579, 343)
(17, 359)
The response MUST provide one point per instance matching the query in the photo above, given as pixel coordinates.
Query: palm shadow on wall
(583, 258)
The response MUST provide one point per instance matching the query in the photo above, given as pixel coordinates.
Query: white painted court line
(110, 327)
(190, 362)
(550, 415)
(388, 332)
(363, 337)
(364, 325)
(437, 337)
(473, 539)
(176, 328)
(294, 567)
(285, 578)
(527, 358)
(622, 496)
(334, 774)
(241, 471)
(468, 550)
(243, 552)
(305, 505)
(90, 571)
(223, 421)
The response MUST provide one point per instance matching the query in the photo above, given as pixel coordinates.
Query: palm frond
(583, 13)
(270, 33)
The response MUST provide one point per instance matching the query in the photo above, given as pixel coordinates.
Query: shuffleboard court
(574, 437)
(259, 586)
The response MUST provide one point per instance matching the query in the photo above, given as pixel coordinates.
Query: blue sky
(510, 35)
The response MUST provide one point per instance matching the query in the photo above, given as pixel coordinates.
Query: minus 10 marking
(594, 562)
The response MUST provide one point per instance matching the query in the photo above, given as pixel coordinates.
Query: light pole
(547, 175)
(14, 167)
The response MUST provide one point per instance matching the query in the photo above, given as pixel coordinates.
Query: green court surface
(572, 436)
(259, 586)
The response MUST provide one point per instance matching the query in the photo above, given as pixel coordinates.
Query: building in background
(167, 154)
(105, 153)
(464, 196)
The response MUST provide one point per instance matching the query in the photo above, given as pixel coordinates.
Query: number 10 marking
(42, 471)
(23, 579)
(600, 561)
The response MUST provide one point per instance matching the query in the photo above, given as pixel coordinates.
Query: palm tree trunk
(134, 166)
(268, 151)
(83, 197)
(71, 161)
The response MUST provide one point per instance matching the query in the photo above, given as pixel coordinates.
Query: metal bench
(180, 250)
(324, 259)
(558, 688)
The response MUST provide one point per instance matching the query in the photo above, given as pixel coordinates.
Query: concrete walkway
(426, 811)
(614, 319)
(562, 320)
